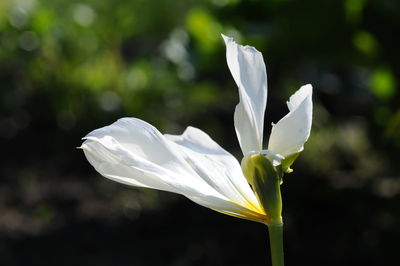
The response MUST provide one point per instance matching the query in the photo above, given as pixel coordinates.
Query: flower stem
(276, 243)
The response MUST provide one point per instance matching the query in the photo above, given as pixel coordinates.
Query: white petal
(133, 152)
(248, 69)
(292, 131)
(216, 166)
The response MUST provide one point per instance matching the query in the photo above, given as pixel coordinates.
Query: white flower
(133, 152)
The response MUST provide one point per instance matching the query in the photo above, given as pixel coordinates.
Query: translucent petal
(215, 166)
(292, 131)
(248, 70)
(133, 152)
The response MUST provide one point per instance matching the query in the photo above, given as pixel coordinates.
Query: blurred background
(68, 67)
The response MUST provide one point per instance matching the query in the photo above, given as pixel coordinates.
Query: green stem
(276, 243)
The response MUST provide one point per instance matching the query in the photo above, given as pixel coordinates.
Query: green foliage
(382, 83)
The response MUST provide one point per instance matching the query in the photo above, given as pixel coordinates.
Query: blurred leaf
(4, 12)
(365, 43)
(382, 83)
(204, 28)
(43, 20)
(393, 127)
(99, 73)
(354, 9)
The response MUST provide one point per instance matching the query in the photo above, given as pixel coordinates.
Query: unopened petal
(248, 70)
(292, 131)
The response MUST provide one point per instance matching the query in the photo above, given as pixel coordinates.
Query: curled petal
(292, 131)
(248, 70)
(133, 152)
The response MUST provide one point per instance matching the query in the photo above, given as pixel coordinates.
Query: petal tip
(308, 88)
(227, 39)
(82, 147)
(302, 94)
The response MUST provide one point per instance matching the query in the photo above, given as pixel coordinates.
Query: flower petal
(216, 166)
(133, 152)
(248, 69)
(292, 131)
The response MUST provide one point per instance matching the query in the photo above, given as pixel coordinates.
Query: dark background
(68, 67)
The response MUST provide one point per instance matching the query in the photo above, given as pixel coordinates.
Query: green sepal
(266, 183)
(288, 161)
